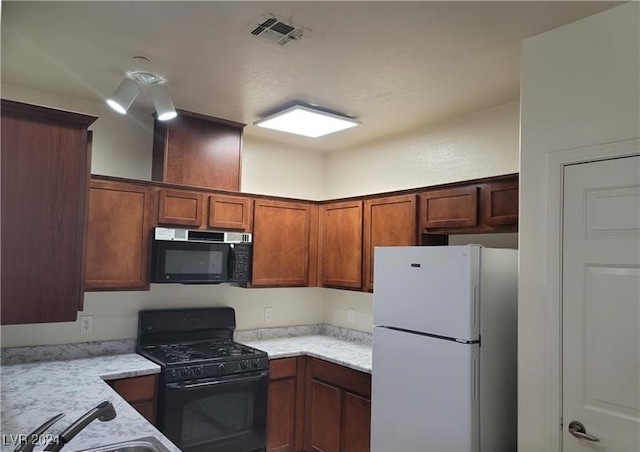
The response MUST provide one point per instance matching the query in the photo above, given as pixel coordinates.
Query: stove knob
(197, 371)
(255, 363)
(243, 365)
(183, 372)
(221, 368)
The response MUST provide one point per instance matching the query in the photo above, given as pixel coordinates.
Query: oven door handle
(244, 378)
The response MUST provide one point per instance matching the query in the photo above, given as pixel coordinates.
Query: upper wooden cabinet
(119, 236)
(341, 244)
(452, 208)
(284, 243)
(481, 207)
(198, 151)
(389, 221)
(202, 210)
(230, 212)
(179, 207)
(500, 203)
(45, 173)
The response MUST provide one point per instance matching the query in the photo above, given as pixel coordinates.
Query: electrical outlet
(86, 324)
(268, 314)
(351, 316)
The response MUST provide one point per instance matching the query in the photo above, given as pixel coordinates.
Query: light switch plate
(268, 314)
(351, 315)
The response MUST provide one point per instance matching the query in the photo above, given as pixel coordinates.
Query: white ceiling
(395, 66)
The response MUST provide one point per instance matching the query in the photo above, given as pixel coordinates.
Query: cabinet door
(324, 414)
(282, 405)
(281, 243)
(500, 203)
(388, 221)
(140, 392)
(198, 151)
(453, 208)
(182, 208)
(356, 423)
(341, 244)
(118, 236)
(230, 212)
(45, 174)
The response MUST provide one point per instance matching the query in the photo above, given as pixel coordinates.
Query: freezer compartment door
(428, 289)
(424, 394)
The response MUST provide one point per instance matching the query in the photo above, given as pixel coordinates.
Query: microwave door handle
(231, 263)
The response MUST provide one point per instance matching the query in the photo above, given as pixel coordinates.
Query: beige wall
(480, 144)
(580, 87)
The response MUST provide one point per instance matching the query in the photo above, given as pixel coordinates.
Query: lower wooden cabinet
(140, 392)
(285, 405)
(337, 408)
(314, 405)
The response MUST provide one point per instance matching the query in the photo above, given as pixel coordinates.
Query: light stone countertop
(34, 392)
(346, 353)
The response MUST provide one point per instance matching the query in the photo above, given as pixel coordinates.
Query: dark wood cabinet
(284, 248)
(202, 210)
(230, 212)
(341, 244)
(46, 162)
(500, 203)
(337, 408)
(389, 221)
(119, 236)
(180, 208)
(285, 406)
(198, 151)
(140, 392)
(451, 208)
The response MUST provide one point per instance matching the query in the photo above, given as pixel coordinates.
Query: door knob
(577, 430)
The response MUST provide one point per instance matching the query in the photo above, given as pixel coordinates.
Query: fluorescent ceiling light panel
(306, 121)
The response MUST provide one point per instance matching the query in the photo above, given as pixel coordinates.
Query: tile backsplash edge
(20, 355)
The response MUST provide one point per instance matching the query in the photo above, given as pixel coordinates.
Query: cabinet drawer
(136, 389)
(282, 368)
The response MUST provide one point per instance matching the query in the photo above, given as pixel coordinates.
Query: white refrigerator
(444, 349)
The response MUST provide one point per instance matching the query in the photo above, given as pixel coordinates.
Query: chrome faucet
(29, 441)
(103, 412)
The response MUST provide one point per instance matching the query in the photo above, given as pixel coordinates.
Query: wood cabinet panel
(341, 244)
(182, 208)
(118, 236)
(500, 203)
(285, 404)
(198, 151)
(324, 416)
(338, 408)
(281, 243)
(140, 392)
(230, 212)
(356, 423)
(390, 221)
(45, 162)
(452, 208)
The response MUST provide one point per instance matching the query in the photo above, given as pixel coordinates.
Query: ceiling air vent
(278, 32)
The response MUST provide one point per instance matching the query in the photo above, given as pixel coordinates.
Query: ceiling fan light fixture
(124, 95)
(306, 121)
(165, 110)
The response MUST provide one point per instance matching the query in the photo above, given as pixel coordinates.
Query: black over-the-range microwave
(200, 257)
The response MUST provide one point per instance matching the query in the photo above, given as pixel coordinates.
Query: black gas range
(213, 391)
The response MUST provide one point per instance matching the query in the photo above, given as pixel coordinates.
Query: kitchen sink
(146, 444)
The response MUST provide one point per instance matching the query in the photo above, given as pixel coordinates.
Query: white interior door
(601, 305)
